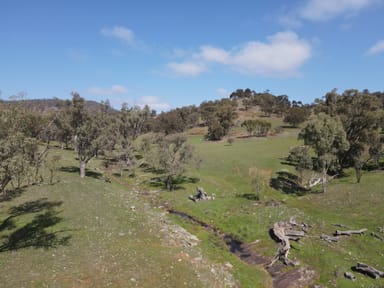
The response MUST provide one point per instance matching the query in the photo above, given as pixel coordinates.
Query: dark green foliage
(219, 116)
(361, 114)
(325, 134)
(297, 115)
(176, 120)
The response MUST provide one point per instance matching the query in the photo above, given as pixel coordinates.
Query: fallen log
(350, 276)
(201, 195)
(368, 270)
(377, 236)
(329, 238)
(294, 235)
(350, 232)
(283, 234)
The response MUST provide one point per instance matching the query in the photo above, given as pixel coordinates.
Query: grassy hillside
(89, 233)
(226, 170)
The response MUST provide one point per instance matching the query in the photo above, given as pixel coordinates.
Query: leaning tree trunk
(358, 169)
(83, 165)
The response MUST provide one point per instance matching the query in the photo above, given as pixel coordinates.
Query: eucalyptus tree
(170, 155)
(361, 115)
(86, 132)
(325, 134)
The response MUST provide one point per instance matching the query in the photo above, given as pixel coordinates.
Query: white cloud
(154, 103)
(282, 55)
(319, 10)
(213, 54)
(113, 90)
(322, 10)
(377, 48)
(187, 68)
(119, 32)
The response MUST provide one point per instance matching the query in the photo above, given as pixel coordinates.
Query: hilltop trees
(297, 115)
(219, 116)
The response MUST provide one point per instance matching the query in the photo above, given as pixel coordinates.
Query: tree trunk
(324, 180)
(358, 173)
(82, 168)
(168, 183)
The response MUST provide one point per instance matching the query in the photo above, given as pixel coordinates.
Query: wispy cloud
(187, 68)
(323, 10)
(377, 48)
(281, 55)
(119, 32)
(113, 90)
(154, 103)
(319, 10)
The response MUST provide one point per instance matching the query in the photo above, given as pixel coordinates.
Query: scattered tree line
(343, 131)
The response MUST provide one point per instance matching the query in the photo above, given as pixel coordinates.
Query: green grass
(92, 238)
(225, 172)
(90, 234)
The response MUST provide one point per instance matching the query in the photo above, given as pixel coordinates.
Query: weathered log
(349, 232)
(280, 230)
(329, 238)
(377, 236)
(294, 235)
(369, 270)
(200, 195)
(350, 276)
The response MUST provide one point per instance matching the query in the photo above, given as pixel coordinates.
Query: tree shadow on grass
(159, 182)
(8, 195)
(287, 182)
(74, 169)
(38, 232)
(249, 196)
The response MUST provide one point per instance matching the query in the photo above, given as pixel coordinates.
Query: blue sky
(173, 53)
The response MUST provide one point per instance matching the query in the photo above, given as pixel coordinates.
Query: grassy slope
(224, 172)
(90, 237)
(111, 245)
